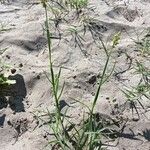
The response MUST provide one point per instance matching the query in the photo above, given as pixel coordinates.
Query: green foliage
(116, 39)
(5, 80)
(90, 131)
(3, 77)
(143, 71)
(144, 45)
(65, 5)
(78, 4)
(136, 94)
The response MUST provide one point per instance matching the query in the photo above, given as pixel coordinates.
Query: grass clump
(144, 45)
(88, 134)
(135, 95)
(4, 78)
(78, 4)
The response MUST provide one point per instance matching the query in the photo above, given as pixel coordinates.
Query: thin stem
(51, 66)
(100, 83)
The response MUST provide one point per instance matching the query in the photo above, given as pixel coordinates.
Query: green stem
(100, 83)
(98, 91)
(51, 66)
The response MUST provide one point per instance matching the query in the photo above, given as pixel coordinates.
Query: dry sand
(27, 53)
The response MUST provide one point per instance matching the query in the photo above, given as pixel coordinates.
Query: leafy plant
(4, 79)
(143, 71)
(135, 94)
(78, 4)
(88, 134)
(144, 45)
(77, 39)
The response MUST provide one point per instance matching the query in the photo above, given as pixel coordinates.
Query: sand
(27, 53)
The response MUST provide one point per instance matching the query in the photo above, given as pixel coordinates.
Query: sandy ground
(27, 53)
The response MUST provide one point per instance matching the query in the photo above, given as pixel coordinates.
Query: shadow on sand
(13, 95)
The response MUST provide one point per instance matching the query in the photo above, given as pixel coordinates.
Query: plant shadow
(2, 120)
(13, 95)
(146, 134)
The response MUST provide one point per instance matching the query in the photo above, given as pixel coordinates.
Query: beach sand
(27, 55)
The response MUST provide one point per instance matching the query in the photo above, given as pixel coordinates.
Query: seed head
(44, 3)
